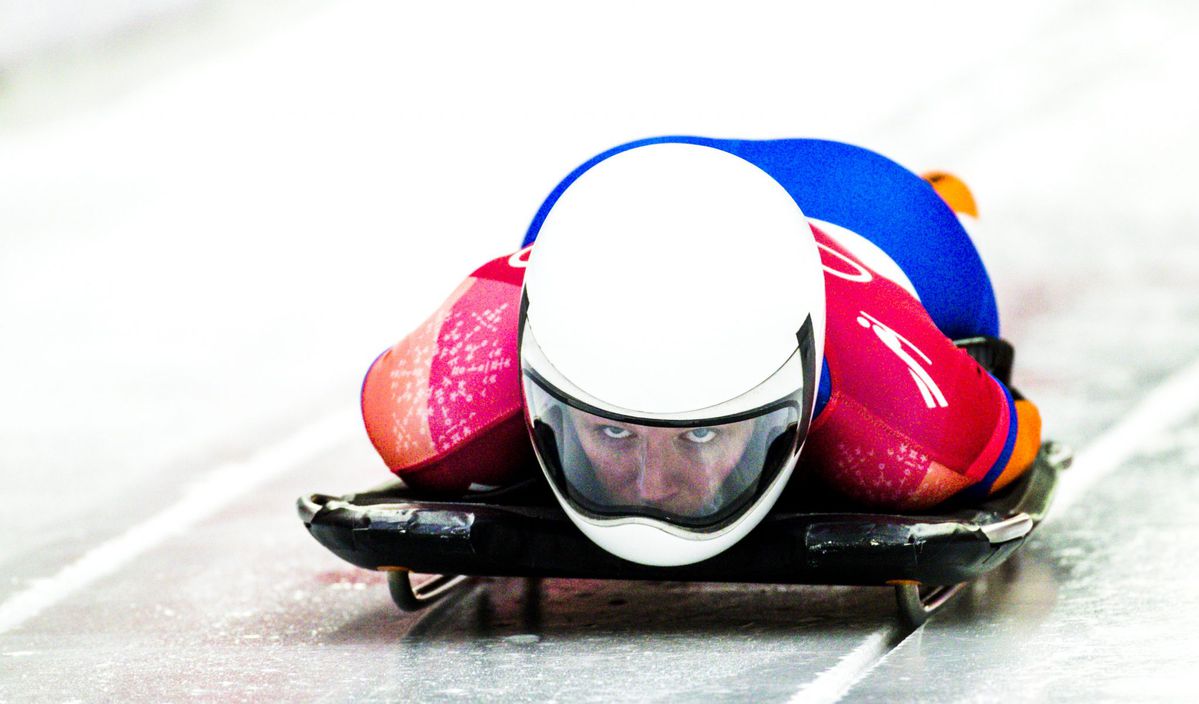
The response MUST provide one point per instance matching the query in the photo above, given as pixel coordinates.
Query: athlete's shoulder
(911, 418)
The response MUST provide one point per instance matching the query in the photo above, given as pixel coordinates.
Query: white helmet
(672, 329)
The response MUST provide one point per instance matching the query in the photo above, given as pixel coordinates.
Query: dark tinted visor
(700, 474)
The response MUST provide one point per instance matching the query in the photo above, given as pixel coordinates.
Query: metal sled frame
(520, 531)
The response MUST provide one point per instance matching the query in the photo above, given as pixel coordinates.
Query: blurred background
(214, 214)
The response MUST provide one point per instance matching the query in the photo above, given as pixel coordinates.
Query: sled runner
(520, 531)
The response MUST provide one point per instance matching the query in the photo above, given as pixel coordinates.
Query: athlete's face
(678, 470)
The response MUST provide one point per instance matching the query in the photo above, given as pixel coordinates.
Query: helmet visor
(700, 474)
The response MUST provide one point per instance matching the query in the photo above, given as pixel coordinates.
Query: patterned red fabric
(443, 406)
(911, 419)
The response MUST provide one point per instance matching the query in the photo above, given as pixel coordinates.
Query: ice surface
(196, 267)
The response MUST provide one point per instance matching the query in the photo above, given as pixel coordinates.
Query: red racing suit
(910, 420)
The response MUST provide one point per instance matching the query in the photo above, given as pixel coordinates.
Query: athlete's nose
(662, 467)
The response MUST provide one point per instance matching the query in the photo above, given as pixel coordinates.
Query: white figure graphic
(896, 342)
(520, 260)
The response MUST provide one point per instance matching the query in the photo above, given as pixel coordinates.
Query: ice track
(198, 262)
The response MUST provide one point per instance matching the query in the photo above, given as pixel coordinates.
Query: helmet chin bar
(654, 543)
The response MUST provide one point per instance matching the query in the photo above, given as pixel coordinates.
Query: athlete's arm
(443, 405)
(911, 419)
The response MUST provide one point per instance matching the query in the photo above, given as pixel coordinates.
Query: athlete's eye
(616, 432)
(699, 435)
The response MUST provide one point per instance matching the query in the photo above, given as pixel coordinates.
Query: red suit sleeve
(911, 419)
(443, 406)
